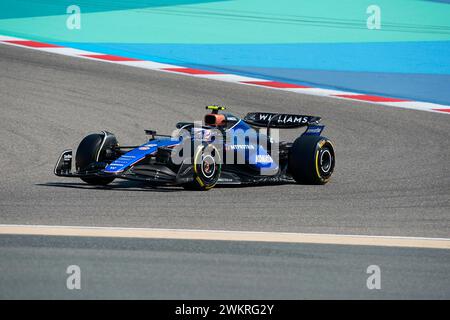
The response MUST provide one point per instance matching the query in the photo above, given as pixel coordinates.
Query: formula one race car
(224, 149)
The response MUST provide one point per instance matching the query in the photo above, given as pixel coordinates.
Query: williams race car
(222, 150)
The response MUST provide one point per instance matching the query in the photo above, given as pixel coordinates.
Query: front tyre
(207, 167)
(91, 155)
(312, 160)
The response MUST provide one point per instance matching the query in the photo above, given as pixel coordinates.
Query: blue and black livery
(310, 159)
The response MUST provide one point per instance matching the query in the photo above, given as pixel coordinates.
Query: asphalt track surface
(112, 268)
(391, 178)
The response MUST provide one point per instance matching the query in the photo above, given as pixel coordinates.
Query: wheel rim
(208, 166)
(326, 161)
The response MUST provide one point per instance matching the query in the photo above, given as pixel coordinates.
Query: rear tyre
(311, 160)
(91, 155)
(207, 167)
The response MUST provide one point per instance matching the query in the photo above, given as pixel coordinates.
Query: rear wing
(280, 120)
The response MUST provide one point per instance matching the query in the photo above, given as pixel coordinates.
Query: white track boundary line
(224, 235)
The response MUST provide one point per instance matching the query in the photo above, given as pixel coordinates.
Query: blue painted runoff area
(412, 70)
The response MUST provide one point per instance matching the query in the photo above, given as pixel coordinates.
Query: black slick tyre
(311, 160)
(207, 167)
(90, 156)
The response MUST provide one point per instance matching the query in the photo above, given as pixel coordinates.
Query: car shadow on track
(131, 185)
(140, 186)
(118, 186)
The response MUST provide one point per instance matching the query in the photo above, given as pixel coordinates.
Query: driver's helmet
(215, 120)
